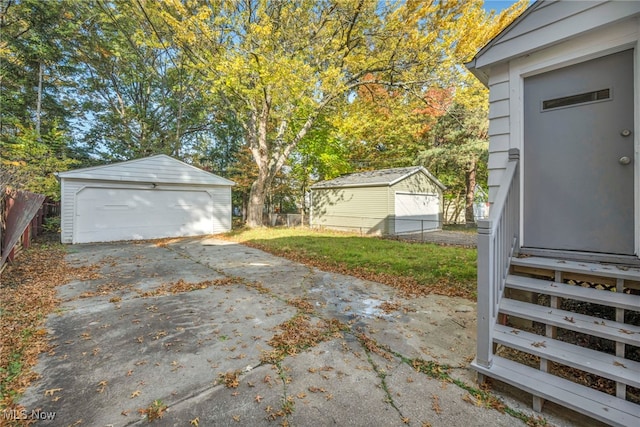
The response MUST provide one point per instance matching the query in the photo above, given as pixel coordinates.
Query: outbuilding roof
(155, 169)
(377, 178)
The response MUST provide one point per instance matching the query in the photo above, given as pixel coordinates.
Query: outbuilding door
(578, 157)
(416, 212)
(112, 214)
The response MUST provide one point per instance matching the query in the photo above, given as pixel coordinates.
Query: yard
(416, 269)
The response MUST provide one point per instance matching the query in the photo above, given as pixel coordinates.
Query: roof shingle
(374, 178)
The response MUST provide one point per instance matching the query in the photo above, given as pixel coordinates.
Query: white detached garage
(147, 198)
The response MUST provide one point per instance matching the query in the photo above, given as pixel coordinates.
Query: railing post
(485, 297)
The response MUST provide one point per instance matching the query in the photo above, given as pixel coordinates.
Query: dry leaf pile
(28, 295)
(182, 286)
(299, 333)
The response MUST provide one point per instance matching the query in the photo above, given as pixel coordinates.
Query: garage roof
(155, 169)
(382, 177)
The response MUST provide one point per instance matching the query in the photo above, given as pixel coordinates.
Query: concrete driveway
(124, 341)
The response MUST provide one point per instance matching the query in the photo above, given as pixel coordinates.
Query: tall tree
(279, 65)
(458, 142)
(458, 149)
(33, 63)
(35, 107)
(138, 96)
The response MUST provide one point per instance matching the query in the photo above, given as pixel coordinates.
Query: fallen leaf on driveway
(51, 391)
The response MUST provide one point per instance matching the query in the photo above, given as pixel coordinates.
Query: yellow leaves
(135, 394)
(33, 278)
(101, 386)
(155, 411)
(472, 400)
(52, 391)
(17, 163)
(435, 404)
(230, 379)
(195, 422)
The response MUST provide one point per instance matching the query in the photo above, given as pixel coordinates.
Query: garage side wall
(221, 198)
(418, 183)
(68, 190)
(361, 209)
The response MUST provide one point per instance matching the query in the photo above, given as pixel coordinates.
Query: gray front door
(578, 163)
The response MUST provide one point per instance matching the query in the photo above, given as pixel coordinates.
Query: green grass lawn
(414, 267)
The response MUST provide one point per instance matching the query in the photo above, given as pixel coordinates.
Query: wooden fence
(22, 216)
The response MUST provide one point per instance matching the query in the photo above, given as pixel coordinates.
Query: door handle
(624, 160)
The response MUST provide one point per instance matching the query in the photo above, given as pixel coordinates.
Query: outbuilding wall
(368, 210)
(362, 209)
(416, 183)
(419, 184)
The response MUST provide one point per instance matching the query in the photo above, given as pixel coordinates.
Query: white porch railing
(498, 239)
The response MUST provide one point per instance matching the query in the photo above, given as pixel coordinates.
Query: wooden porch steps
(596, 362)
(535, 291)
(601, 406)
(608, 329)
(595, 296)
(589, 268)
(608, 274)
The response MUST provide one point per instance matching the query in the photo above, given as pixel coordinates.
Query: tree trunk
(39, 101)
(470, 181)
(257, 197)
(269, 159)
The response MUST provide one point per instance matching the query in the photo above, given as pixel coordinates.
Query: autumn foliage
(28, 295)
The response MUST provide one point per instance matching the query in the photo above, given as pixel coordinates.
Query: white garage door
(111, 214)
(416, 212)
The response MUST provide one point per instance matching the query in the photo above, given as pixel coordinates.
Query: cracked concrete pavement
(116, 352)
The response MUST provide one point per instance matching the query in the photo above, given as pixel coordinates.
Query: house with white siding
(147, 198)
(558, 266)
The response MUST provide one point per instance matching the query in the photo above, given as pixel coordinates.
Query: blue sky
(498, 5)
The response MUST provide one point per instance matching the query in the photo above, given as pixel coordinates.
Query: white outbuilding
(147, 198)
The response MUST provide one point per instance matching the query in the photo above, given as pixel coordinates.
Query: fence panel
(22, 217)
